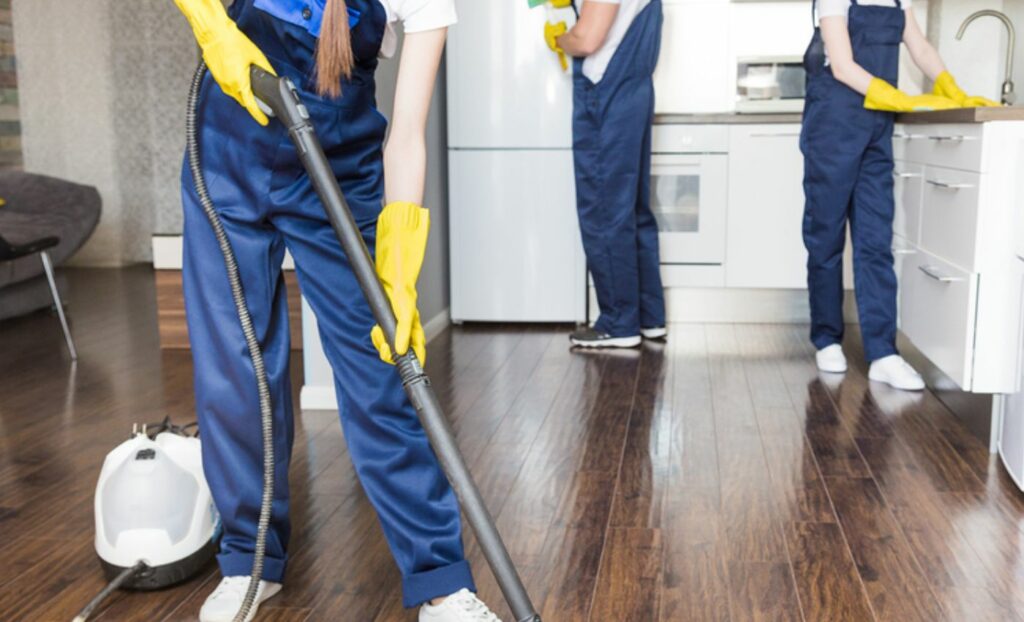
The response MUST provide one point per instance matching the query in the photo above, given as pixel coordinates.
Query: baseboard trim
(313, 397)
(318, 398)
(168, 252)
(437, 324)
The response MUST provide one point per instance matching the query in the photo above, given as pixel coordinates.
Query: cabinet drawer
(908, 182)
(682, 138)
(949, 215)
(951, 146)
(938, 307)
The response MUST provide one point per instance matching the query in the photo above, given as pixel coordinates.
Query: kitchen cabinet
(764, 244)
(695, 70)
(958, 194)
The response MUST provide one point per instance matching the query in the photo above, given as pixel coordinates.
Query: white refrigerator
(515, 245)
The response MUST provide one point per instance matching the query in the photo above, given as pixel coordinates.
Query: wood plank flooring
(715, 477)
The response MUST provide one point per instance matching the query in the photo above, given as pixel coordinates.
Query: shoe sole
(654, 333)
(614, 342)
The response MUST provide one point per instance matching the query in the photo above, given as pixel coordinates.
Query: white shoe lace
(470, 604)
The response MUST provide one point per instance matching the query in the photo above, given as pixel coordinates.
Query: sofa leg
(48, 267)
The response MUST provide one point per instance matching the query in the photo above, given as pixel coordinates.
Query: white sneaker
(225, 601)
(897, 373)
(589, 338)
(831, 359)
(654, 332)
(462, 606)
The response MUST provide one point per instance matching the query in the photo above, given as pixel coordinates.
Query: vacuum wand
(281, 96)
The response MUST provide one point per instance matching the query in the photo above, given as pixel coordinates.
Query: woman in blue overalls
(852, 64)
(267, 205)
(615, 45)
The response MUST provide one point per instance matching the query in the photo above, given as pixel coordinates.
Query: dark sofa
(39, 206)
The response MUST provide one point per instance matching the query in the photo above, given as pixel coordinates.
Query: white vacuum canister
(153, 505)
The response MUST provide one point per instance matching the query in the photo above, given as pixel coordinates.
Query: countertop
(962, 115)
(726, 118)
(965, 115)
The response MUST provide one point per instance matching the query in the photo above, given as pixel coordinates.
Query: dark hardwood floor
(716, 477)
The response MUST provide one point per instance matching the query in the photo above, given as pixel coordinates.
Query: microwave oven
(770, 84)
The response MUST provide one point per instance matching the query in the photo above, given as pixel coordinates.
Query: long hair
(334, 50)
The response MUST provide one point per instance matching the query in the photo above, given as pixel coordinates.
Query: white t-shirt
(416, 16)
(597, 63)
(840, 8)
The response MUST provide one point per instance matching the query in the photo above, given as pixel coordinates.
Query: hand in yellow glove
(946, 86)
(884, 96)
(551, 34)
(402, 230)
(227, 51)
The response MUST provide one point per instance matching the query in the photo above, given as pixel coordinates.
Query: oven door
(688, 198)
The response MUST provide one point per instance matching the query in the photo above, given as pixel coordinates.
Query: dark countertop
(726, 118)
(964, 115)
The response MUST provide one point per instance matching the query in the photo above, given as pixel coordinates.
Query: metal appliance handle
(934, 273)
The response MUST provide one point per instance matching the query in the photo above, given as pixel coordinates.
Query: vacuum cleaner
(156, 524)
(279, 98)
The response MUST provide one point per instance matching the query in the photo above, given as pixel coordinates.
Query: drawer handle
(945, 185)
(934, 273)
(903, 136)
(903, 251)
(952, 139)
(899, 175)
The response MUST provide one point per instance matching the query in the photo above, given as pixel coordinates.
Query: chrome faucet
(1008, 97)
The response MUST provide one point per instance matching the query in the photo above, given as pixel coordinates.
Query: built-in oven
(770, 84)
(689, 192)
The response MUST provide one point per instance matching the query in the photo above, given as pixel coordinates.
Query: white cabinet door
(516, 254)
(695, 70)
(938, 307)
(765, 245)
(949, 215)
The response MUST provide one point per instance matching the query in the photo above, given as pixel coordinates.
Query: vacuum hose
(117, 582)
(255, 353)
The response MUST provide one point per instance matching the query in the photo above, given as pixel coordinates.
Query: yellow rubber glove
(561, 4)
(884, 96)
(551, 34)
(946, 86)
(227, 51)
(402, 230)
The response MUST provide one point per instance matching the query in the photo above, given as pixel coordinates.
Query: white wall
(102, 88)
(977, 60)
(66, 92)
(1015, 10)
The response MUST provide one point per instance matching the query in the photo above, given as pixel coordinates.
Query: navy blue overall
(267, 203)
(611, 128)
(848, 166)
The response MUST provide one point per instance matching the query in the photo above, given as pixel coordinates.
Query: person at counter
(615, 45)
(852, 65)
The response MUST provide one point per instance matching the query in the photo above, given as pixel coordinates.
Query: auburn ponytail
(334, 50)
